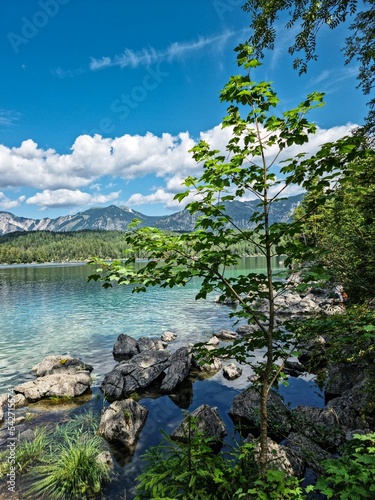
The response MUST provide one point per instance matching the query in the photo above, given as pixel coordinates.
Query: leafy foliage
(341, 233)
(309, 17)
(192, 471)
(353, 474)
(247, 168)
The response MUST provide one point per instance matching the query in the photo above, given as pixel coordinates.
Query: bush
(353, 474)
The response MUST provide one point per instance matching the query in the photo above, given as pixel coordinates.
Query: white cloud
(7, 204)
(61, 179)
(146, 57)
(69, 198)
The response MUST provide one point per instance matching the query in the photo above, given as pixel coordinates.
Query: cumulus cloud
(7, 204)
(69, 198)
(62, 179)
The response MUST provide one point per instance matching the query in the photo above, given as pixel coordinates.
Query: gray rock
(180, 363)
(206, 420)
(105, 458)
(20, 401)
(58, 364)
(226, 335)
(309, 452)
(208, 367)
(168, 336)
(147, 344)
(320, 425)
(122, 422)
(125, 347)
(342, 377)
(352, 408)
(245, 410)
(232, 371)
(280, 457)
(137, 373)
(56, 385)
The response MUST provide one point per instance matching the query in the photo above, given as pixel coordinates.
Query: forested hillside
(47, 246)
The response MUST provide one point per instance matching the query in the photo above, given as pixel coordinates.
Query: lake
(52, 309)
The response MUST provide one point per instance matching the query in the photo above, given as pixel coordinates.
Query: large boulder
(58, 385)
(135, 374)
(280, 457)
(60, 364)
(355, 408)
(126, 347)
(178, 370)
(342, 377)
(122, 422)
(309, 452)
(203, 419)
(320, 425)
(245, 411)
(57, 376)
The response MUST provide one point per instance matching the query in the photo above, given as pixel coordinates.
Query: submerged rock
(122, 423)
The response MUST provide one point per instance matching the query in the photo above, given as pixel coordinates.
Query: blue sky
(101, 100)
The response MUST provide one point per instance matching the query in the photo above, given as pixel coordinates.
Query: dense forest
(75, 246)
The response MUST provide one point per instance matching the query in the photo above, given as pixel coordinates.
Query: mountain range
(113, 218)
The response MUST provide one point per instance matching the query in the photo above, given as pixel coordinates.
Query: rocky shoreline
(299, 438)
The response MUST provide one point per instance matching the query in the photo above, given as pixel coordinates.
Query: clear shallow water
(51, 309)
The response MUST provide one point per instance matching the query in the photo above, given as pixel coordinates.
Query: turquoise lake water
(52, 309)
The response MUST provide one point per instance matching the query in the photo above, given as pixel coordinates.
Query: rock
(3, 400)
(58, 364)
(1, 415)
(309, 452)
(293, 368)
(168, 336)
(214, 341)
(105, 458)
(226, 335)
(245, 411)
(178, 370)
(355, 408)
(56, 385)
(137, 373)
(122, 422)
(313, 354)
(147, 344)
(205, 420)
(27, 435)
(20, 401)
(246, 329)
(320, 425)
(280, 457)
(232, 371)
(209, 367)
(125, 347)
(342, 377)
